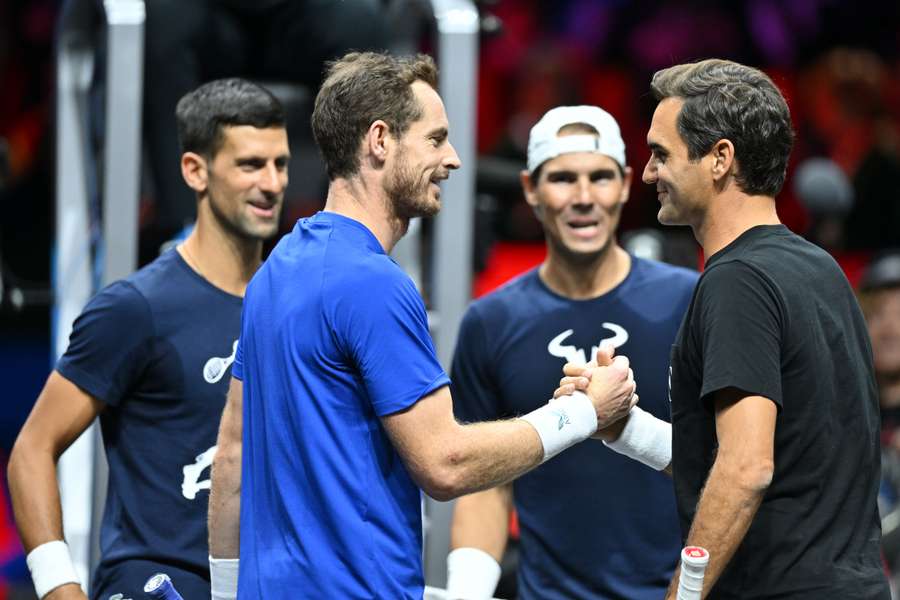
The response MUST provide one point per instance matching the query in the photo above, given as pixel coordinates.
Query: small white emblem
(215, 368)
(191, 483)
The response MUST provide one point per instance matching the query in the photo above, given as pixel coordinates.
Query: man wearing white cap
(593, 523)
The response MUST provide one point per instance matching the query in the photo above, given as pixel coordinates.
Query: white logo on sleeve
(577, 355)
(215, 368)
(191, 483)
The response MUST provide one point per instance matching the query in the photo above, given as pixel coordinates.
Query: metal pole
(458, 28)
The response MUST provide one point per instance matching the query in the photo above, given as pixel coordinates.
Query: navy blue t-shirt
(593, 523)
(156, 349)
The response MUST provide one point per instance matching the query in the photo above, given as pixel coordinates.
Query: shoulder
(515, 298)
(164, 276)
(657, 272)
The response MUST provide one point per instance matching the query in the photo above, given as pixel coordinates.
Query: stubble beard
(240, 225)
(407, 197)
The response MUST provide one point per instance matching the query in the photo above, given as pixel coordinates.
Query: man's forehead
(663, 124)
(243, 138)
(433, 113)
(571, 161)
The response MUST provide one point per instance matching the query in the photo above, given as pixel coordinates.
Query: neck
(585, 280)
(225, 260)
(731, 214)
(364, 200)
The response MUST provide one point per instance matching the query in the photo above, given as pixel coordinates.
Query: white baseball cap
(544, 142)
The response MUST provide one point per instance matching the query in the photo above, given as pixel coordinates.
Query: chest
(528, 362)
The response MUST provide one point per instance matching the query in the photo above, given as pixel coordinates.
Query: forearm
(481, 520)
(225, 503)
(35, 495)
(726, 508)
(477, 456)
(224, 518)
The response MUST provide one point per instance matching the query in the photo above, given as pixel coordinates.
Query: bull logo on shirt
(191, 483)
(573, 354)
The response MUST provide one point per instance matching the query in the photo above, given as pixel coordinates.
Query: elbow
(754, 474)
(444, 478)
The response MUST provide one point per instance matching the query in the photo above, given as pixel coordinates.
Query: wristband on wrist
(472, 574)
(223, 578)
(645, 439)
(51, 566)
(563, 422)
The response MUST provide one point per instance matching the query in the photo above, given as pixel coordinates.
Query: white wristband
(51, 566)
(472, 574)
(645, 439)
(223, 578)
(563, 422)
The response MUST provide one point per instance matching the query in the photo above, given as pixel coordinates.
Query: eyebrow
(256, 159)
(440, 132)
(593, 172)
(657, 148)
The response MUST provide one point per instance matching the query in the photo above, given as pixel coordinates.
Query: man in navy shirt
(150, 356)
(577, 540)
(339, 410)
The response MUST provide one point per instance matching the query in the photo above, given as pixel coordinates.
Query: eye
(561, 177)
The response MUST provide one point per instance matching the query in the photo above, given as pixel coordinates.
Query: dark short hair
(203, 113)
(728, 100)
(360, 88)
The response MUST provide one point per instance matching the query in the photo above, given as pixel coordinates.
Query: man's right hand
(612, 391)
(69, 591)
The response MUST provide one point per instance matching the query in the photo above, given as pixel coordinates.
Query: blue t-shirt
(156, 348)
(593, 523)
(336, 336)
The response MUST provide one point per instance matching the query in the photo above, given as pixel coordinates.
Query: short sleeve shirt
(156, 349)
(336, 337)
(774, 316)
(510, 352)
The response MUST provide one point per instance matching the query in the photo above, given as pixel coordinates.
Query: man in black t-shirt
(775, 450)
(150, 357)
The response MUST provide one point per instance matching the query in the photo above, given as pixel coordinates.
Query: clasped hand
(609, 382)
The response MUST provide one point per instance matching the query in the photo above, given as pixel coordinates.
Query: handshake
(608, 382)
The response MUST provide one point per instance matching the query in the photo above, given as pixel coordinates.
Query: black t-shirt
(774, 316)
(156, 348)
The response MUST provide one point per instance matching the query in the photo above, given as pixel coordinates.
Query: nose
(451, 161)
(649, 174)
(583, 191)
(273, 179)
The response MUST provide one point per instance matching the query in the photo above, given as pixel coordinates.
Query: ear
(378, 141)
(530, 191)
(626, 185)
(195, 171)
(722, 155)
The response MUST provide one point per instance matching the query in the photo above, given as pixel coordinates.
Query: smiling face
(246, 180)
(682, 185)
(423, 158)
(578, 198)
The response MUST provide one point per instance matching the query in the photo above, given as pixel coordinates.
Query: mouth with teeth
(584, 228)
(263, 209)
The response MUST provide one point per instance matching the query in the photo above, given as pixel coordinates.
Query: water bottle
(160, 587)
(693, 565)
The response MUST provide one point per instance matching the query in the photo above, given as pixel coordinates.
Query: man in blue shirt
(577, 540)
(344, 410)
(149, 355)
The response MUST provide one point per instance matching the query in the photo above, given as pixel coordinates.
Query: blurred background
(837, 61)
